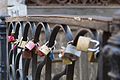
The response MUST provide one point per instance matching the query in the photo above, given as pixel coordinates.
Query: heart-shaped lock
(11, 38)
(30, 45)
(71, 52)
(45, 49)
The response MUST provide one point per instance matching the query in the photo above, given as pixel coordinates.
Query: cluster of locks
(40, 2)
(71, 53)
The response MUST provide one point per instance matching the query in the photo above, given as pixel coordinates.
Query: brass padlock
(66, 61)
(71, 52)
(22, 43)
(83, 43)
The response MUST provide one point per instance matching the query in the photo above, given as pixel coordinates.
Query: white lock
(44, 49)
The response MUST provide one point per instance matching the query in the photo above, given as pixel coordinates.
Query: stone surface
(3, 7)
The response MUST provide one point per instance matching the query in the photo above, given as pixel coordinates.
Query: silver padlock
(71, 52)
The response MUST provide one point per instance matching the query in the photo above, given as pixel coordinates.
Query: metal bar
(3, 49)
(94, 22)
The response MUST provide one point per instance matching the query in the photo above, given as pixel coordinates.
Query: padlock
(52, 57)
(71, 52)
(83, 43)
(22, 44)
(38, 52)
(45, 49)
(66, 61)
(30, 45)
(91, 57)
(27, 54)
(11, 38)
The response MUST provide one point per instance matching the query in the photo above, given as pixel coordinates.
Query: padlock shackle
(96, 42)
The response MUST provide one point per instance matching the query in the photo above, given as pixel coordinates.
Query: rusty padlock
(11, 38)
(30, 45)
(71, 52)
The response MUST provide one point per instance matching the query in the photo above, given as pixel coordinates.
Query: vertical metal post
(3, 47)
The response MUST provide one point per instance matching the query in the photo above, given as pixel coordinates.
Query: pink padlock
(11, 38)
(30, 45)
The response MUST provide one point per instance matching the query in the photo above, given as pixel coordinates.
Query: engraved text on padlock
(22, 44)
(30, 45)
(44, 49)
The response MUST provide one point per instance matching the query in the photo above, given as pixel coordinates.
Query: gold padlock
(66, 61)
(91, 57)
(22, 43)
(83, 43)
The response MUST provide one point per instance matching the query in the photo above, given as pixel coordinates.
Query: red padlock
(11, 38)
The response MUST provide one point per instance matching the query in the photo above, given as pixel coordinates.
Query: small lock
(30, 45)
(83, 43)
(71, 52)
(66, 61)
(22, 44)
(44, 49)
(91, 57)
(38, 52)
(11, 38)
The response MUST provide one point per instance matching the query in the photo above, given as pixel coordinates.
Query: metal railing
(28, 28)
